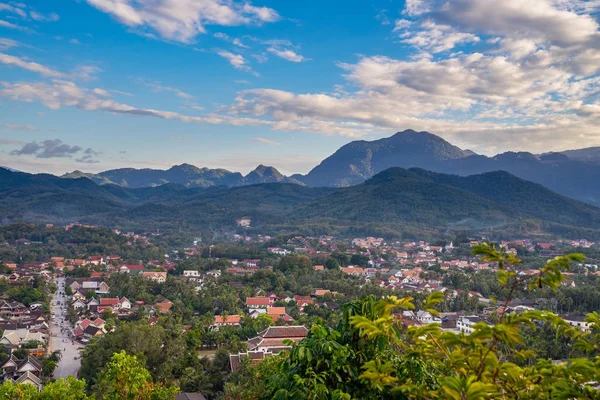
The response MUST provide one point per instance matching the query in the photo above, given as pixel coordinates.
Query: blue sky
(102, 84)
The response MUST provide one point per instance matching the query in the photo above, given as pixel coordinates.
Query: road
(59, 340)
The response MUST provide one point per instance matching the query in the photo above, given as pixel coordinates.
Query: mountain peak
(360, 160)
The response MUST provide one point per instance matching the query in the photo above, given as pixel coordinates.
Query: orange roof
(109, 301)
(231, 319)
(275, 310)
(353, 270)
(258, 301)
(318, 268)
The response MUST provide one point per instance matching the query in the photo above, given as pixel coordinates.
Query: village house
(229, 320)
(258, 302)
(577, 321)
(272, 339)
(465, 323)
(26, 371)
(159, 277)
(163, 306)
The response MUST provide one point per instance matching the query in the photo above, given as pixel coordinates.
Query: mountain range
(396, 202)
(184, 174)
(573, 173)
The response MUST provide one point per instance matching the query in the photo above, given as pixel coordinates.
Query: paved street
(59, 339)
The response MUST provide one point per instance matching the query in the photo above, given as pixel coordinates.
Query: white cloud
(236, 60)
(532, 19)
(6, 43)
(265, 141)
(82, 72)
(183, 20)
(287, 54)
(436, 38)
(52, 17)
(18, 127)
(239, 43)
(60, 93)
(6, 24)
(156, 87)
(30, 66)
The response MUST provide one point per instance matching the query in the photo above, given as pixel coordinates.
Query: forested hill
(394, 202)
(573, 174)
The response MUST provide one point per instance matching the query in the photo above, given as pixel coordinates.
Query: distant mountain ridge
(185, 174)
(360, 160)
(573, 173)
(396, 202)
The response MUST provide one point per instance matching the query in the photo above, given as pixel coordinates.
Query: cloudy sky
(101, 84)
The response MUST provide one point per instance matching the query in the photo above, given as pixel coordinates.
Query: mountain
(360, 160)
(417, 198)
(264, 174)
(393, 203)
(185, 174)
(589, 155)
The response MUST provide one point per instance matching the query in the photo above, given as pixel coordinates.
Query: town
(245, 299)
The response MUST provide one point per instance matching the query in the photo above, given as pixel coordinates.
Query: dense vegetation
(394, 203)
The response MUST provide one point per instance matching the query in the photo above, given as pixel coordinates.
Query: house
(229, 320)
(244, 222)
(192, 275)
(258, 302)
(159, 277)
(92, 331)
(15, 338)
(577, 321)
(354, 271)
(272, 339)
(95, 260)
(79, 305)
(112, 302)
(131, 268)
(251, 263)
(465, 323)
(215, 273)
(425, 317)
(255, 357)
(163, 306)
(27, 370)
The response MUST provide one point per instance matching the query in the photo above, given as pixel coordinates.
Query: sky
(102, 84)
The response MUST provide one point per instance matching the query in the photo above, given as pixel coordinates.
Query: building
(272, 339)
(258, 302)
(163, 306)
(27, 370)
(229, 320)
(466, 323)
(577, 321)
(159, 277)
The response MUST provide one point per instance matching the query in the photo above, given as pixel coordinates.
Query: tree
(124, 378)
(62, 389)
(370, 355)
(332, 263)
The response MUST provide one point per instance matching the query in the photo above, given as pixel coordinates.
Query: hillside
(589, 155)
(396, 201)
(186, 175)
(360, 160)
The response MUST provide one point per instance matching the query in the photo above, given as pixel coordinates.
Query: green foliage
(62, 389)
(370, 355)
(125, 378)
